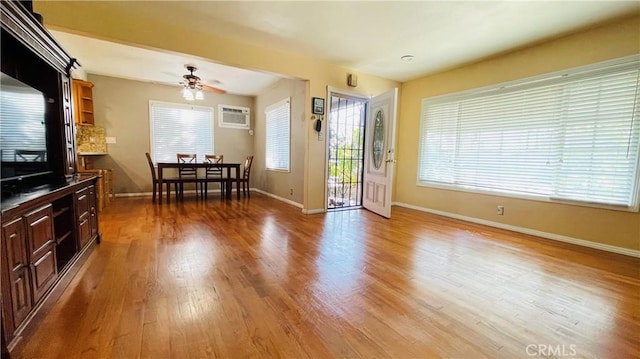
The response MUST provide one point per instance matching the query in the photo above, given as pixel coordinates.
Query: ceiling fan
(193, 86)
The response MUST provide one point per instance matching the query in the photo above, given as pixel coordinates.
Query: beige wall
(616, 228)
(130, 23)
(122, 108)
(281, 183)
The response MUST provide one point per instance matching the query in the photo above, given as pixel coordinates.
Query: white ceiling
(368, 37)
(134, 63)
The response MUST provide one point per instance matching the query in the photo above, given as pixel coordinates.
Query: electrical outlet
(500, 211)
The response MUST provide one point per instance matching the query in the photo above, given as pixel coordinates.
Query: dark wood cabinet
(42, 250)
(49, 222)
(32, 56)
(84, 216)
(17, 268)
(87, 214)
(42, 237)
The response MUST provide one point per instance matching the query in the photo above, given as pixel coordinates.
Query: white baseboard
(296, 204)
(138, 194)
(314, 211)
(553, 236)
(287, 201)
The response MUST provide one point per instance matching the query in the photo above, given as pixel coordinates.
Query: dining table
(223, 166)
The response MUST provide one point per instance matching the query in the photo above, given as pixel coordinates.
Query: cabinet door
(16, 262)
(42, 250)
(44, 272)
(83, 216)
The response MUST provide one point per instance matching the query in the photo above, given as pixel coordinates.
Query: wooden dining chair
(187, 174)
(213, 174)
(245, 175)
(155, 181)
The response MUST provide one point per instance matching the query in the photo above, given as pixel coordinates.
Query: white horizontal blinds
(439, 141)
(180, 128)
(278, 135)
(572, 137)
(599, 152)
(22, 126)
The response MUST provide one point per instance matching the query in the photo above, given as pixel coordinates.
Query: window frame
(577, 72)
(266, 153)
(177, 105)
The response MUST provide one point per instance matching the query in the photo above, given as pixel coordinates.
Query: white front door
(379, 153)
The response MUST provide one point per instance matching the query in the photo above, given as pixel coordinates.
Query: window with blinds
(278, 137)
(572, 136)
(177, 128)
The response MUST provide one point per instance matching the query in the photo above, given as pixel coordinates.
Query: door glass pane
(378, 139)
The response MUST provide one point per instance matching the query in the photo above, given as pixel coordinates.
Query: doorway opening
(345, 141)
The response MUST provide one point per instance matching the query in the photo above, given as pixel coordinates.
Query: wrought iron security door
(346, 133)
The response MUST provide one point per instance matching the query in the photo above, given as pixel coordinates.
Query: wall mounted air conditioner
(234, 117)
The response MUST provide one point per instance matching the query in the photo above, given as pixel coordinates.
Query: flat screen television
(23, 133)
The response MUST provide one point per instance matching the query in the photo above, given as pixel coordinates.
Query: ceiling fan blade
(213, 89)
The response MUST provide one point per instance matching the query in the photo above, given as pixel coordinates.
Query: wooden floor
(257, 278)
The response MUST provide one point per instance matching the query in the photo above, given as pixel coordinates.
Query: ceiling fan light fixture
(192, 87)
(187, 94)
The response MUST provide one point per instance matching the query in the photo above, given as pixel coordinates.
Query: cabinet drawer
(82, 202)
(39, 230)
(86, 215)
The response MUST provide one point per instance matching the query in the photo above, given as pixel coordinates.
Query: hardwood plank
(257, 278)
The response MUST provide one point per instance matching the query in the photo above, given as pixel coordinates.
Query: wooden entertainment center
(49, 225)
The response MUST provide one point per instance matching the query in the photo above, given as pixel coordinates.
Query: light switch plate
(110, 139)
